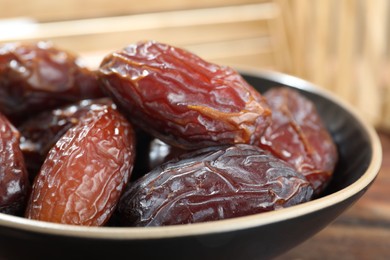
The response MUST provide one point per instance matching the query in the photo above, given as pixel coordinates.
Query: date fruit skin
(38, 76)
(14, 183)
(182, 99)
(85, 173)
(211, 184)
(42, 131)
(298, 136)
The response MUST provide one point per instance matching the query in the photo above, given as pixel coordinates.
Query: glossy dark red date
(14, 184)
(181, 99)
(211, 184)
(38, 76)
(298, 136)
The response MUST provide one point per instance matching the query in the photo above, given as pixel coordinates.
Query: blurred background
(343, 46)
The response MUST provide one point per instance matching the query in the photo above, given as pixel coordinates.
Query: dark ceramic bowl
(259, 236)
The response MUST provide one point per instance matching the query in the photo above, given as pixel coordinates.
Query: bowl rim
(227, 225)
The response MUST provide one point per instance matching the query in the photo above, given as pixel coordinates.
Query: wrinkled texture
(298, 136)
(212, 184)
(41, 132)
(38, 76)
(85, 172)
(14, 184)
(181, 99)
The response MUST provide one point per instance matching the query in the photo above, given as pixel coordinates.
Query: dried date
(298, 136)
(85, 172)
(39, 76)
(211, 184)
(14, 184)
(41, 132)
(182, 99)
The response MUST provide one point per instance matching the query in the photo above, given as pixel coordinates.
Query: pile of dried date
(155, 136)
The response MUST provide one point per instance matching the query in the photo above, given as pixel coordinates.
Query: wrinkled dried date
(38, 76)
(14, 184)
(85, 172)
(181, 99)
(41, 132)
(211, 184)
(298, 136)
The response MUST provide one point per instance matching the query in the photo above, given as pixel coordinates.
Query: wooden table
(362, 232)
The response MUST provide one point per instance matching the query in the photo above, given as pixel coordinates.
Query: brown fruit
(298, 136)
(85, 172)
(38, 76)
(41, 132)
(212, 184)
(14, 184)
(181, 99)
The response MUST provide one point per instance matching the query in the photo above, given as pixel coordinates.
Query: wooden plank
(195, 34)
(227, 34)
(280, 38)
(140, 22)
(48, 10)
(344, 242)
(255, 52)
(251, 52)
(249, 61)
